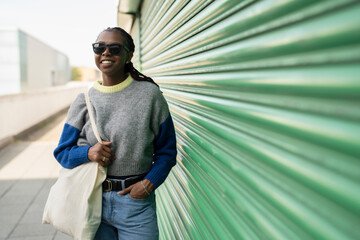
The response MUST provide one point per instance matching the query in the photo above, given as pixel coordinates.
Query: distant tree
(75, 74)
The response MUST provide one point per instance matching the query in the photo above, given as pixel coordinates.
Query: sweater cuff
(157, 175)
(85, 155)
(78, 157)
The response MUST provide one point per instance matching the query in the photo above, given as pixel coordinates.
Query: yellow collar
(115, 88)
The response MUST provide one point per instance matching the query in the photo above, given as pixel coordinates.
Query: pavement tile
(32, 230)
(6, 228)
(26, 187)
(11, 213)
(5, 186)
(62, 236)
(20, 199)
(32, 217)
(49, 237)
(36, 206)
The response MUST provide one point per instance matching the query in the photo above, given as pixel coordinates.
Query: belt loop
(123, 184)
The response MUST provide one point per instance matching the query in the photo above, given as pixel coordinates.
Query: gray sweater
(134, 116)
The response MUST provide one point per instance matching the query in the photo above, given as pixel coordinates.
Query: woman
(139, 147)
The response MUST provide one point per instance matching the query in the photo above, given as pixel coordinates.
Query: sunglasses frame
(109, 46)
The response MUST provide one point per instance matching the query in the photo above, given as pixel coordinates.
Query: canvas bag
(74, 203)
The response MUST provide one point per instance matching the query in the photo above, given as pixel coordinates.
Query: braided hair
(129, 68)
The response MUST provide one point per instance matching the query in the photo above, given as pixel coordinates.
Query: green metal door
(265, 97)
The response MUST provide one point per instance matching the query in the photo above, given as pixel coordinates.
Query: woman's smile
(107, 63)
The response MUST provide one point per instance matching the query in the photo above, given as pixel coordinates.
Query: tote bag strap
(93, 125)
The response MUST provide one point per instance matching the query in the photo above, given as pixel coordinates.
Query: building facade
(28, 64)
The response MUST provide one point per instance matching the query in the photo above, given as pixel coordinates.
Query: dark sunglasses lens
(99, 48)
(115, 49)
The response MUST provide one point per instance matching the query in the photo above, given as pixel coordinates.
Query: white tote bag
(75, 200)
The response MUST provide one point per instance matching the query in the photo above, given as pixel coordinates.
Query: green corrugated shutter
(265, 97)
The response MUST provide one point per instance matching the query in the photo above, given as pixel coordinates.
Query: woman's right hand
(101, 153)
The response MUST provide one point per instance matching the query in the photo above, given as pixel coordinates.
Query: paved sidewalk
(27, 171)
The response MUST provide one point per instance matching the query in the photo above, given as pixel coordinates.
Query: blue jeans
(125, 218)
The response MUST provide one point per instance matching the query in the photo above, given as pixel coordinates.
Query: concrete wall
(19, 112)
(46, 67)
(40, 64)
(9, 62)
(62, 70)
(28, 64)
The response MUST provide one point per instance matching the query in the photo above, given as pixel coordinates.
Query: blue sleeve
(164, 153)
(67, 153)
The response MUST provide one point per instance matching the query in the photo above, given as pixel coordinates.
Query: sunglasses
(114, 48)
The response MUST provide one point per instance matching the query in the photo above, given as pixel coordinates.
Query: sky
(69, 26)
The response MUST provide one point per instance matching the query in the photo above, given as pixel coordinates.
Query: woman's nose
(106, 52)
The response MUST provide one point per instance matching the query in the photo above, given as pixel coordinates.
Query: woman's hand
(101, 153)
(137, 190)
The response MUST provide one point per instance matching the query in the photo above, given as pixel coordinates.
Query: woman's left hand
(137, 190)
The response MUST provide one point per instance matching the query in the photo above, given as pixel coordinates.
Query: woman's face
(108, 63)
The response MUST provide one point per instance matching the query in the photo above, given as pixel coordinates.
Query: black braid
(129, 68)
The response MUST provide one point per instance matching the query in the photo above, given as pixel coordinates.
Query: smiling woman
(139, 147)
(110, 57)
(118, 43)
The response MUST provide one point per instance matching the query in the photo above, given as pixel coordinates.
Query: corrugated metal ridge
(271, 48)
(168, 16)
(207, 17)
(312, 104)
(169, 10)
(280, 142)
(267, 190)
(182, 17)
(181, 215)
(265, 100)
(200, 213)
(289, 103)
(326, 57)
(319, 81)
(149, 15)
(218, 209)
(310, 127)
(289, 203)
(233, 26)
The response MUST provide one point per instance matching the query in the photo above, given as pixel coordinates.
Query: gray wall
(10, 77)
(27, 64)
